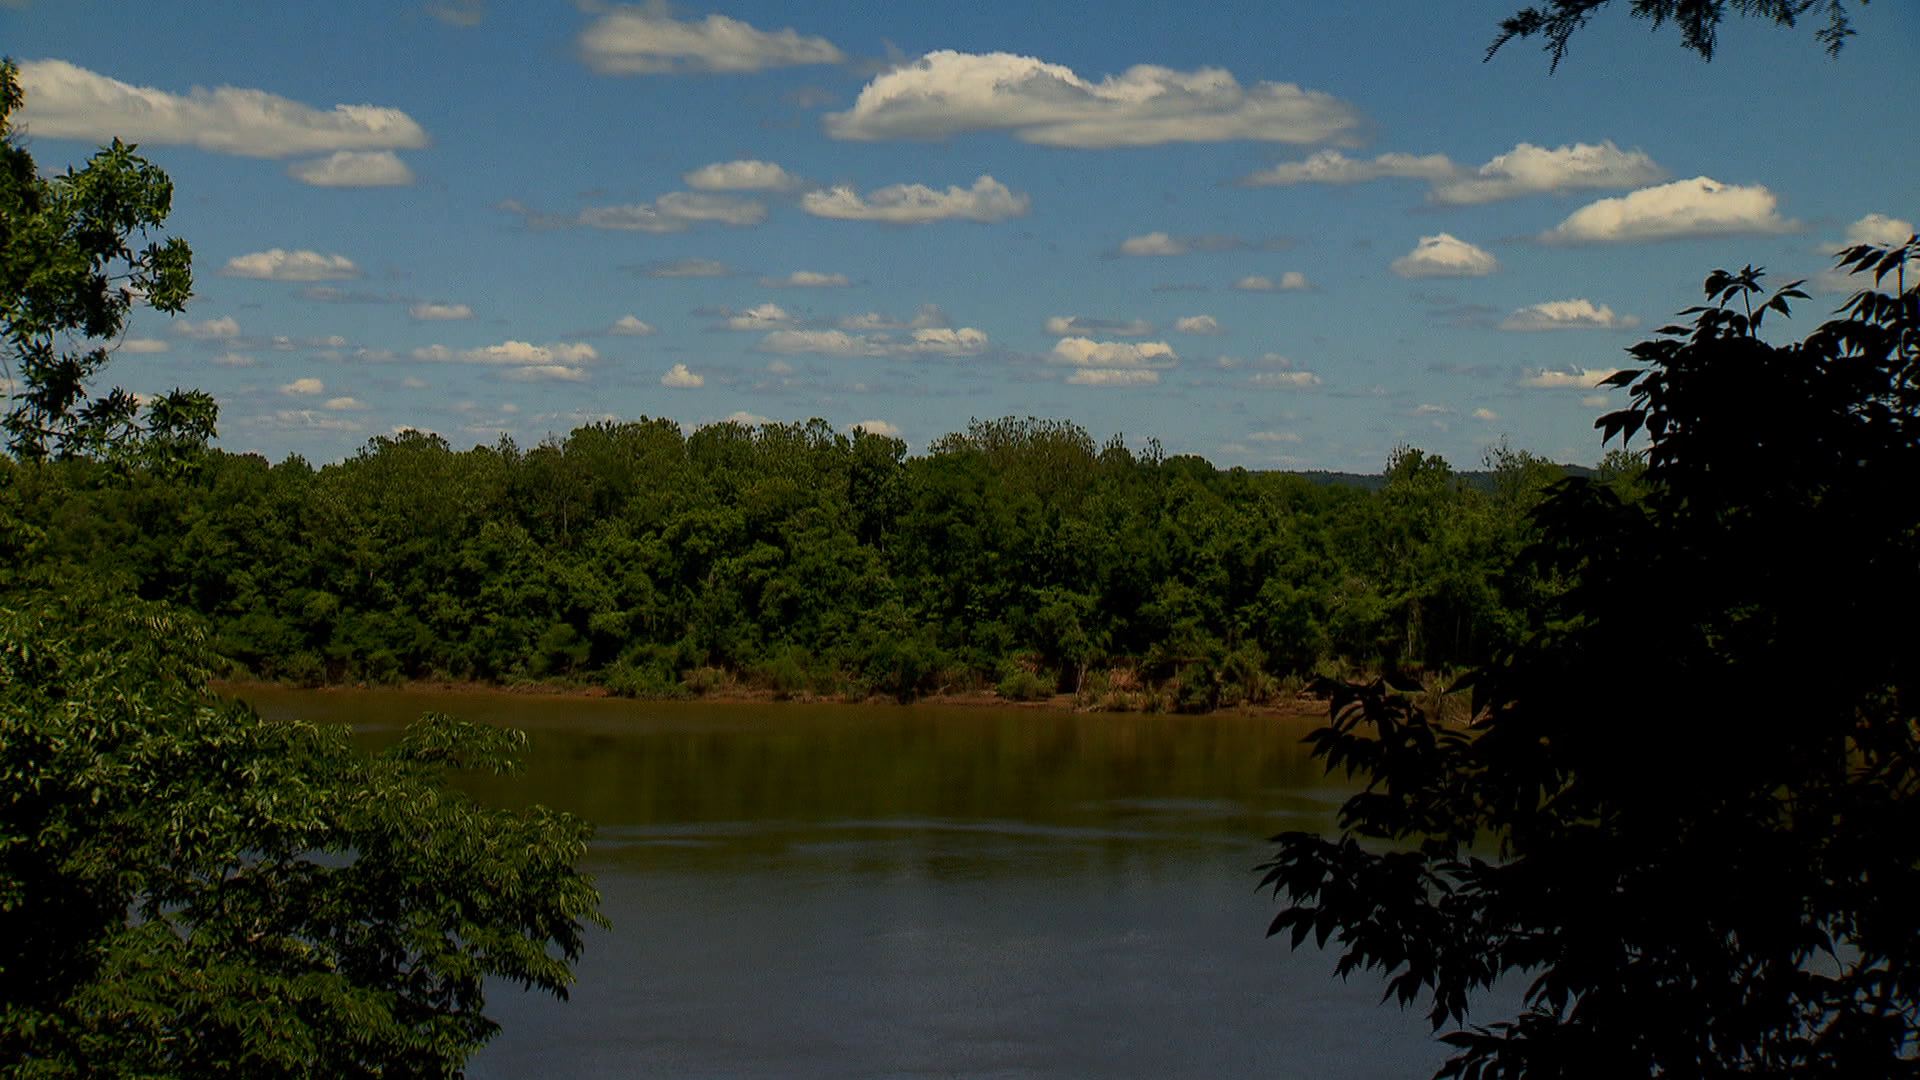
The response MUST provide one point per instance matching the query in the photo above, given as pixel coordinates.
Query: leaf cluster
(1685, 820)
(1697, 20)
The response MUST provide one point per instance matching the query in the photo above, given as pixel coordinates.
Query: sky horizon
(1277, 236)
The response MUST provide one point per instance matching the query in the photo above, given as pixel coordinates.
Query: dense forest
(792, 559)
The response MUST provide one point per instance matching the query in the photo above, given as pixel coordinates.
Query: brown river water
(883, 891)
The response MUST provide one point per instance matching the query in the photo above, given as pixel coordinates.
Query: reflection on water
(871, 891)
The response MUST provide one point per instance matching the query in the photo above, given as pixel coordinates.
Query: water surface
(878, 891)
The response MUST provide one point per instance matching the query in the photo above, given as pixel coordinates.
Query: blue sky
(1278, 235)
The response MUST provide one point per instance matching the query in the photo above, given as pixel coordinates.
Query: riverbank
(1300, 706)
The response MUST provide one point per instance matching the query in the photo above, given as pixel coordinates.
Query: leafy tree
(1688, 809)
(1699, 21)
(187, 889)
(68, 271)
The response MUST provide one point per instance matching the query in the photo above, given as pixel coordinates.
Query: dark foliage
(1687, 813)
(1697, 20)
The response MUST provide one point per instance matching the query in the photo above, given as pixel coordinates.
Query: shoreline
(1294, 708)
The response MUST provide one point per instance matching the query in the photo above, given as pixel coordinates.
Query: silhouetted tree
(1687, 813)
(1698, 20)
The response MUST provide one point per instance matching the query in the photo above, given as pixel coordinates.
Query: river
(879, 891)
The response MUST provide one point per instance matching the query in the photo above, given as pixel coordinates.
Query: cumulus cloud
(1879, 229)
(353, 169)
(807, 279)
(234, 360)
(137, 345)
(1524, 170)
(927, 315)
(644, 41)
(278, 264)
(303, 387)
(679, 378)
(1445, 255)
(210, 330)
(306, 420)
(1078, 325)
(1291, 281)
(686, 268)
(1148, 245)
(520, 360)
(879, 427)
(759, 317)
(1567, 315)
(987, 200)
(1485, 415)
(1197, 324)
(741, 176)
(65, 101)
(926, 341)
(429, 312)
(1576, 379)
(947, 92)
(344, 404)
(1088, 353)
(631, 326)
(1287, 380)
(1701, 206)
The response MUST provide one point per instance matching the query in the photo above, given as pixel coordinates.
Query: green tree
(68, 278)
(187, 889)
(1687, 812)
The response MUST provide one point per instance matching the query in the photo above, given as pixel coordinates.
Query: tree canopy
(1685, 811)
(1697, 20)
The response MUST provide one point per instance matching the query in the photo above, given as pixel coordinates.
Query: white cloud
(307, 420)
(1596, 401)
(1577, 379)
(1292, 380)
(1879, 230)
(1445, 256)
(742, 416)
(439, 312)
(1524, 170)
(1086, 352)
(1197, 324)
(1114, 377)
(234, 360)
(1567, 315)
(210, 330)
(1153, 243)
(741, 176)
(1078, 325)
(304, 386)
(640, 41)
(414, 383)
(631, 326)
(137, 345)
(759, 317)
(879, 427)
(522, 360)
(353, 169)
(945, 93)
(279, 264)
(344, 404)
(1273, 437)
(546, 373)
(1701, 206)
(1430, 409)
(462, 13)
(64, 101)
(1291, 281)
(925, 341)
(779, 367)
(916, 204)
(688, 268)
(676, 211)
(1485, 415)
(1164, 244)
(807, 279)
(927, 315)
(679, 378)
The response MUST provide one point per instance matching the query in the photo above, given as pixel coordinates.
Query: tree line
(790, 558)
